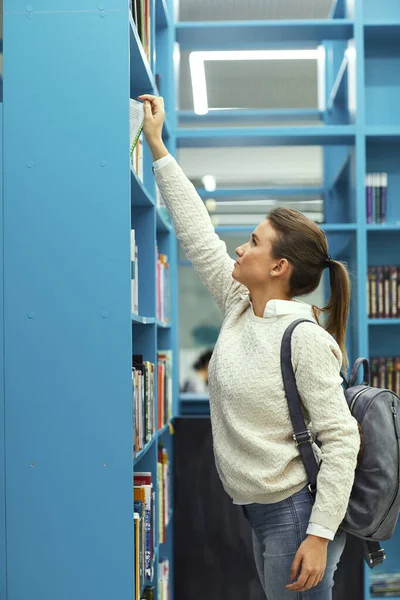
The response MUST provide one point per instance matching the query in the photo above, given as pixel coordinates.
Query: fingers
(295, 566)
(306, 581)
(153, 99)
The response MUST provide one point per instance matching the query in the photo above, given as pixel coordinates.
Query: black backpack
(374, 503)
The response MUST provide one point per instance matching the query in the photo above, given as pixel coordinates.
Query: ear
(281, 268)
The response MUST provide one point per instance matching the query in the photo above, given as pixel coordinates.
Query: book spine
(383, 203)
(393, 291)
(397, 375)
(386, 291)
(368, 194)
(377, 209)
(136, 299)
(374, 292)
(381, 307)
(398, 291)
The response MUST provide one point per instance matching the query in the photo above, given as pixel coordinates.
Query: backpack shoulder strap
(302, 436)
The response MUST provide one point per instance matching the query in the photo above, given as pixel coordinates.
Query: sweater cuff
(319, 531)
(157, 164)
(331, 522)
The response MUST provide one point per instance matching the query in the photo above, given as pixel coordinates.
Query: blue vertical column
(362, 325)
(3, 567)
(67, 329)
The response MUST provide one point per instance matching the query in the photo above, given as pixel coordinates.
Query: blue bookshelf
(66, 324)
(359, 131)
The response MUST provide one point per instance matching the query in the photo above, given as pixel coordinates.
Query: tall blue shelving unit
(359, 130)
(69, 200)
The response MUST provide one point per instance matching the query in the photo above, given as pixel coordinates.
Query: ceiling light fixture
(198, 74)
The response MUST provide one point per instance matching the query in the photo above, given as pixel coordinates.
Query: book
(143, 401)
(136, 120)
(376, 189)
(143, 483)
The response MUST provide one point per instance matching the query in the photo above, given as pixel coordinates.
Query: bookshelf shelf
(381, 31)
(376, 322)
(240, 35)
(325, 135)
(142, 79)
(136, 319)
(383, 132)
(190, 118)
(139, 195)
(255, 193)
(395, 228)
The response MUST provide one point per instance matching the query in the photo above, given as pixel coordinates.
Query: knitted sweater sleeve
(194, 229)
(317, 361)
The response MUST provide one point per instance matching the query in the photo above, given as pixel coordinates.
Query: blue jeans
(278, 531)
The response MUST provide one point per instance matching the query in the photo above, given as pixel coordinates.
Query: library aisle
(108, 484)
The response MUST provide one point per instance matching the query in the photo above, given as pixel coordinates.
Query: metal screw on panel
(104, 314)
(32, 464)
(29, 164)
(105, 465)
(31, 315)
(103, 163)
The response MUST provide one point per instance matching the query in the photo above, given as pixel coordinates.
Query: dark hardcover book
(380, 292)
(383, 197)
(386, 292)
(393, 291)
(377, 198)
(374, 372)
(397, 375)
(372, 275)
(369, 199)
(382, 372)
(148, 593)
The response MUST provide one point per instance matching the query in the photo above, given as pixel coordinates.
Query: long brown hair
(305, 247)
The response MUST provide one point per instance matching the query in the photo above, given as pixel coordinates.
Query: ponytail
(338, 306)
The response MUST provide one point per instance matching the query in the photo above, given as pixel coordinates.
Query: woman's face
(255, 263)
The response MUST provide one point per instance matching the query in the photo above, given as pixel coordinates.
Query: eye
(253, 241)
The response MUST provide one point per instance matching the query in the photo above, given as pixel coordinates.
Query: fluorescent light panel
(198, 75)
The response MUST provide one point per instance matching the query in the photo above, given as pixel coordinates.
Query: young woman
(297, 538)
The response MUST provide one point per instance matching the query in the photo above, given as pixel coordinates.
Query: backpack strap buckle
(303, 437)
(376, 558)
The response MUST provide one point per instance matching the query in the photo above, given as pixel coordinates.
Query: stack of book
(163, 288)
(134, 275)
(144, 519)
(384, 585)
(143, 397)
(376, 185)
(385, 373)
(140, 10)
(163, 580)
(136, 119)
(163, 477)
(383, 292)
(164, 391)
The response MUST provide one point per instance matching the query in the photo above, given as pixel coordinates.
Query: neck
(259, 299)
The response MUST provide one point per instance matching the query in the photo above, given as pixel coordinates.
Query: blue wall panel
(3, 575)
(67, 301)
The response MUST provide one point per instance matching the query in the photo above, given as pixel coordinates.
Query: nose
(239, 251)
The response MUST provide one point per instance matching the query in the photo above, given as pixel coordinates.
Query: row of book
(163, 584)
(385, 373)
(376, 185)
(384, 585)
(383, 292)
(143, 397)
(140, 10)
(163, 288)
(145, 520)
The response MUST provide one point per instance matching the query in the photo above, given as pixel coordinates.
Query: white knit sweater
(255, 454)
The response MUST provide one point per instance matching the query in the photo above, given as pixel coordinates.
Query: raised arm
(192, 223)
